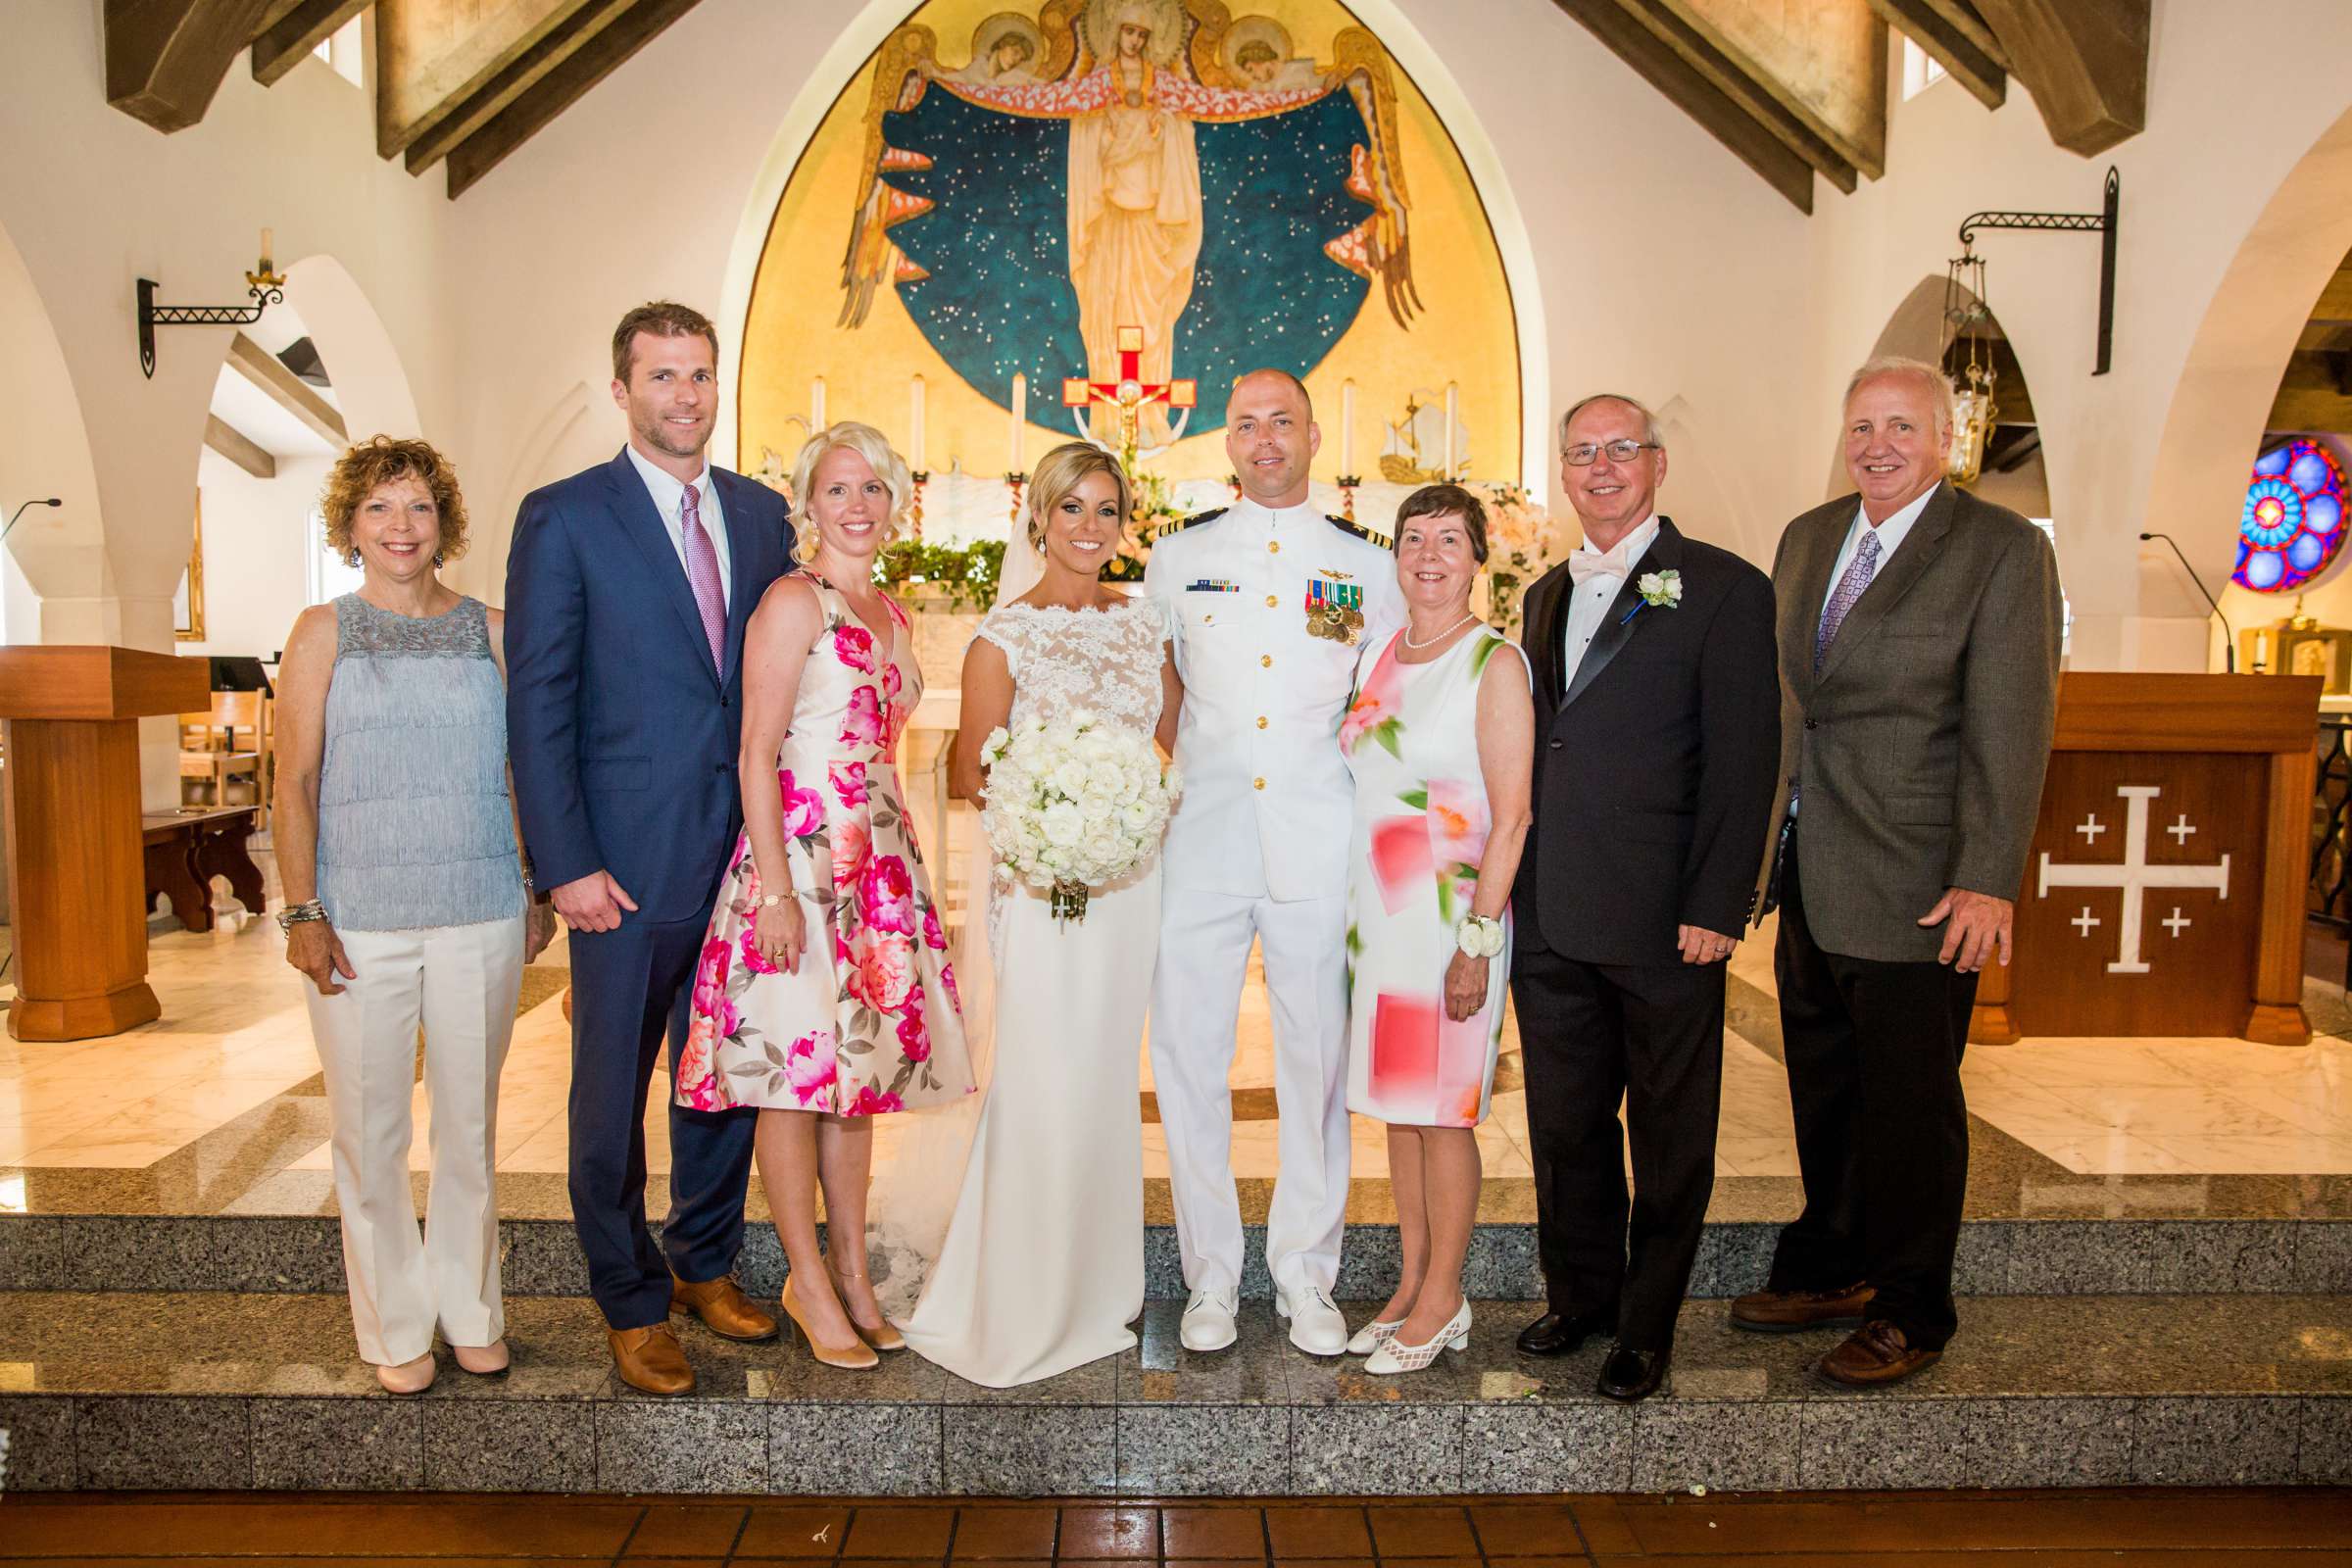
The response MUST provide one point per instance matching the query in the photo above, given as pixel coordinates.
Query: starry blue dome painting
(2293, 520)
(1122, 171)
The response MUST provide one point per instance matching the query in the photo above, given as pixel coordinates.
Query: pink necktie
(701, 570)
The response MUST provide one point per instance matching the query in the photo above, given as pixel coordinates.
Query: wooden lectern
(2164, 895)
(76, 883)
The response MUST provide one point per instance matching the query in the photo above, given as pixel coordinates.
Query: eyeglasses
(1586, 454)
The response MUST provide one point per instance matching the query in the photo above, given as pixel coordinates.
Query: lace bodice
(1107, 660)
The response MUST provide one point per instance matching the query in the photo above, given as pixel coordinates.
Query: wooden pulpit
(76, 880)
(2164, 895)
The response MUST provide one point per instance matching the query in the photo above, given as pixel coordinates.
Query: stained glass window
(2294, 523)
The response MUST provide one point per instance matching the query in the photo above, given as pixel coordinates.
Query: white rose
(1071, 779)
(1062, 824)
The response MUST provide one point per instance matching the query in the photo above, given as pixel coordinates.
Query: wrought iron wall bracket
(267, 290)
(2101, 222)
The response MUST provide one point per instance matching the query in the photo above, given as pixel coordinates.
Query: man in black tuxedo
(1657, 718)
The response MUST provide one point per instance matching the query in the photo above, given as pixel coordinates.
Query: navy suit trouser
(629, 987)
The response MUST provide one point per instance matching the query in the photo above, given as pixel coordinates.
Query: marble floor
(234, 1049)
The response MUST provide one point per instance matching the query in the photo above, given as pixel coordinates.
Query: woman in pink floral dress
(825, 997)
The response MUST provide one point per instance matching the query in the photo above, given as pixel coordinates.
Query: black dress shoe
(1630, 1375)
(1563, 1333)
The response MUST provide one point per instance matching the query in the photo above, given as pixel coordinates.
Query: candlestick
(816, 405)
(914, 449)
(1453, 411)
(1348, 426)
(1020, 416)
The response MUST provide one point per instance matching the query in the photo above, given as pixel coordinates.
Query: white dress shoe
(1398, 1356)
(1208, 1320)
(1316, 1326)
(1372, 1336)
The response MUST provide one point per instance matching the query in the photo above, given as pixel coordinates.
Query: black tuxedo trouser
(1590, 1035)
(1873, 1049)
(629, 987)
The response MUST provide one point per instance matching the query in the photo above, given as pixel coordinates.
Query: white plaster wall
(256, 537)
(94, 200)
(1663, 268)
(2236, 96)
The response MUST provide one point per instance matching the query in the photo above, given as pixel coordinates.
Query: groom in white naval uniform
(1273, 603)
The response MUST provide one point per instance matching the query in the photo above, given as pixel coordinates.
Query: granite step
(1999, 1257)
(151, 1391)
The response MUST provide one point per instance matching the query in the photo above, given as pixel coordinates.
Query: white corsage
(1663, 589)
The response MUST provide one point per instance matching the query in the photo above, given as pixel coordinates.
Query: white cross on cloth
(2134, 876)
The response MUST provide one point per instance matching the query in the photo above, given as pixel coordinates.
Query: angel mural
(1133, 87)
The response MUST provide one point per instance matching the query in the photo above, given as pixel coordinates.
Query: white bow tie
(1586, 563)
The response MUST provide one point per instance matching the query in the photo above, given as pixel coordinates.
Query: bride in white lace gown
(1040, 1267)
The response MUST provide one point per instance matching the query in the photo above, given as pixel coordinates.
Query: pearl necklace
(1449, 631)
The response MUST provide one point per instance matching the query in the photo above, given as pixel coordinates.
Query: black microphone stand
(2229, 637)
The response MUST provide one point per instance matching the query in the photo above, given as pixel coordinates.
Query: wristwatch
(1479, 935)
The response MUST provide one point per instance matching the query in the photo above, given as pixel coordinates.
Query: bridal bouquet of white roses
(1072, 804)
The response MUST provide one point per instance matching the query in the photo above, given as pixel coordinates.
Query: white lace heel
(1372, 1336)
(1393, 1355)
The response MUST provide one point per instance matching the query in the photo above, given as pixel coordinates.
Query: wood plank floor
(2290, 1529)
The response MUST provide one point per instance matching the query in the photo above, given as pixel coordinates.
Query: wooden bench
(186, 849)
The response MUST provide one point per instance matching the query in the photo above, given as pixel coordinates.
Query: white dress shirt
(669, 496)
(1892, 534)
(1589, 601)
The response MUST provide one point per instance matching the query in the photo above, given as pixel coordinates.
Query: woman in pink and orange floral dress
(825, 998)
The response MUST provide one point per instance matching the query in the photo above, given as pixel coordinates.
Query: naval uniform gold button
(1257, 783)
(1261, 721)
(1272, 599)
(1266, 661)
(1273, 546)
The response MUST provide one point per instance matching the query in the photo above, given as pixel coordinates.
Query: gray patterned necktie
(1857, 577)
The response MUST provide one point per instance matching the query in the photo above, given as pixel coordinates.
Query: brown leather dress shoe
(723, 1308)
(1875, 1354)
(648, 1359)
(1787, 1311)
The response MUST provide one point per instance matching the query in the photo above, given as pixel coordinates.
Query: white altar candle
(1347, 429)
(1021, 418)
(816, 405)
(1452, 409)
(269, 245)
(914, 445)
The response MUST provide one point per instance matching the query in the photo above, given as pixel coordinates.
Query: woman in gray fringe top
(406, 901)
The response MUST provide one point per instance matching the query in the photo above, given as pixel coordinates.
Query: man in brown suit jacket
(1918, 631)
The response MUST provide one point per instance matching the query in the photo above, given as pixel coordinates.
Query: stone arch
(54, 553)
(370, 382)
(2220, 405)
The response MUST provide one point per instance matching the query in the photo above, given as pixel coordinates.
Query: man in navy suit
(628, 591)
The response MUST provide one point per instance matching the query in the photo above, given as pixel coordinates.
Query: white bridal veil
(918, 1175)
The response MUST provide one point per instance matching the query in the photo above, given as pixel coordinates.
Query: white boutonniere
(1663, 589)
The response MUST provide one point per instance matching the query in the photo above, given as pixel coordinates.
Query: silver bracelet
(294, 914)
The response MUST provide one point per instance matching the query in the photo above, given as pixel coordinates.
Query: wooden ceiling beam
(1963, 17)
(293, 30)
(287, 390)
(2335, 299)
(1823, 61)
(164, 58)
(1747, 138)
(519, 76)
(238, 448)
(1739, 81)
(562, 87)
(2085, 62)
(1928, 24)
(2314, 394)
(434, 54)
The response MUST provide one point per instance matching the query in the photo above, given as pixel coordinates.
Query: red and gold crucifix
(1129, 395)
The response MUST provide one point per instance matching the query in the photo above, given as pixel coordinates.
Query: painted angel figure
(1135, 199)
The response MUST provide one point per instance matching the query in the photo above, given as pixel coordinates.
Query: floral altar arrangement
(1073, 804)
(1519, 549)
